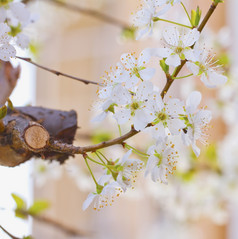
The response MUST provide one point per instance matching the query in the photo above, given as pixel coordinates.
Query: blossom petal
(88, 201)
(191, 37)
(193, 68)
(162, 52)
(171, 36)
(6, 52)
(140, 120)
(193, 101)
(147, 73)
(144, 57)
(122, 116)
(173, 60)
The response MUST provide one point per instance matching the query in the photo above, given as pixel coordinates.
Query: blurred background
(201, 200)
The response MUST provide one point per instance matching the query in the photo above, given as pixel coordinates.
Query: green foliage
(22, 211)
(224, 59)
(101, 137)
(164, 66)
(34, 48)
(3, 112)
(218, 1)
(20, 206)
(38, 206)
(129, 33)
(28, 237)
(196, 16)
(4, 2)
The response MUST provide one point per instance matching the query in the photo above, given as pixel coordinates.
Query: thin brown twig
(66, 229)
(49, 221)
(8, 233)
(58, 73)
(90, 12)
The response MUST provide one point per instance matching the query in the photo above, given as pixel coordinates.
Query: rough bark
(27, 131)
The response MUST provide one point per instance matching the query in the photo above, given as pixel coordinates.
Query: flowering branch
(68, 148)
(58, 73)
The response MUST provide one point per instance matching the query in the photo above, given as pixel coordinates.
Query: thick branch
(27, 132)
(58, 73)
(61, 147)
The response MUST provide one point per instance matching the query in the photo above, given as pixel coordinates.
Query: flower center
(160, 157)
(135, 105)
(179, 50)
(162, 116)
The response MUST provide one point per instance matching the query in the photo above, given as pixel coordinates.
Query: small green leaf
(38, 207)
(3, 112)
(101, 136)
(20, 203)
(164, 66)
(218, 1)
(20, 206)
(129, 33)
(28, 237)
(196, 16)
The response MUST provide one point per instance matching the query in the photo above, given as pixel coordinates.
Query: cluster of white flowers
(14, 17)
(129, 95)
(111, 185)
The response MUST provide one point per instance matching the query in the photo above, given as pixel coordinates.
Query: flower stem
(136, 151)
(86, 161)
(103, 156)
(96, 161)
(187, 14)
(172, 22)
(108, 166)
(182, 77)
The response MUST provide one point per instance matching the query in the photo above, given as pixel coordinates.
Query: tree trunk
(27, 131)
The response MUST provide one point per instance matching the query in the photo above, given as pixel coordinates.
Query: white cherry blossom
(111, 80)
(178, 45)
(136, 109)
(136, 67)
(165, 116)
(45, 170)
(128, 169)
(197, 122)
(162, 161)
(206, 67)
(105, 198)
(144, 18)
(167, 4)
(6, 50)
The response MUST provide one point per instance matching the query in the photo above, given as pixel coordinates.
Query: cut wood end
(36, 137)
